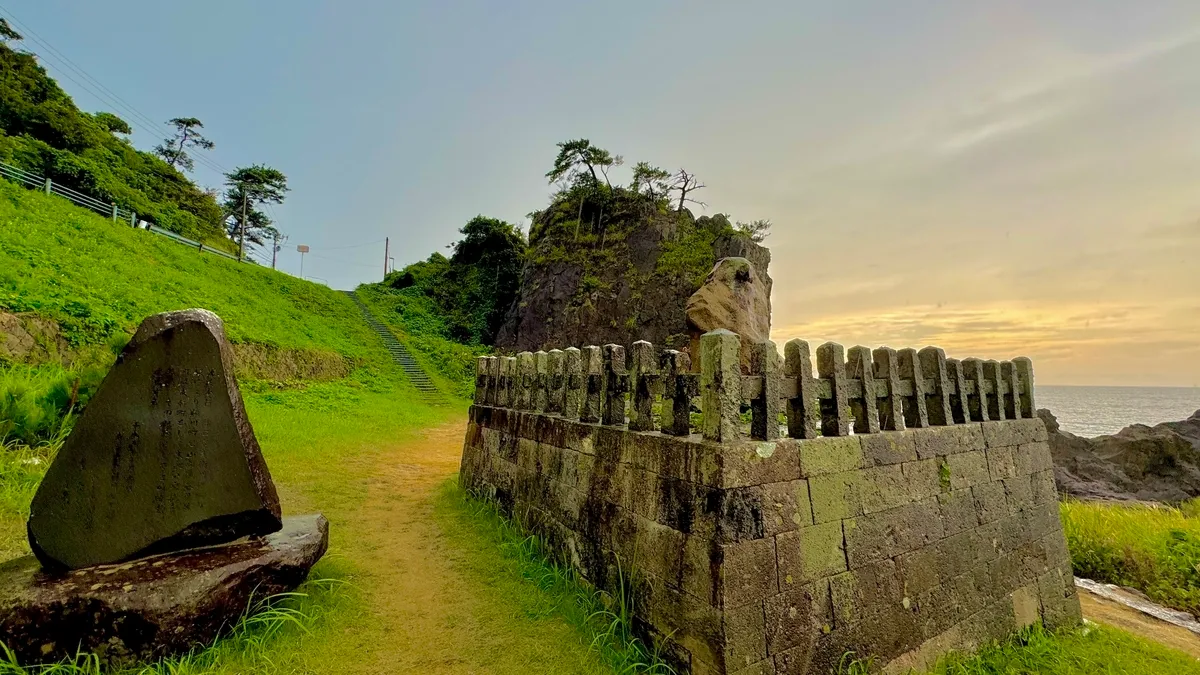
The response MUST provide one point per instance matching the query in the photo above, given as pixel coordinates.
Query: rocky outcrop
(734, 298)
(153, 607)
(634, 285)
(1159, 463)
(31, 339)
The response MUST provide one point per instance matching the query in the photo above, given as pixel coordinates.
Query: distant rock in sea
(1138, 463)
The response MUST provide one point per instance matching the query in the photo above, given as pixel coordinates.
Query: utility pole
(386, 245)
(242, 229)
(275, 249)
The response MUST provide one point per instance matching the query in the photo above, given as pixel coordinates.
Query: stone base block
(153, 607)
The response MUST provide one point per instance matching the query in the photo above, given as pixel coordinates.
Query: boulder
(153, 607)
(733, 297)
(1138, 463)
(162, 459)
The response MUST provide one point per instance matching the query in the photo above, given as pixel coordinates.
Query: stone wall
(765, 547)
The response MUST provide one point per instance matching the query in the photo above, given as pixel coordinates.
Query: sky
(996, 178)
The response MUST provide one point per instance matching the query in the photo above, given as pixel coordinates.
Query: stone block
(919, 570)
(810, 553)
(659, 551)
(797, 617)
(1019, 493)
(865, 591)
(162, 459)
(1002, 462)
(1042, 487)
(786, 506)
(759, 462)
(836, 496)
(924, 478)
(1000, 433)
(700, 569)
(643, 493)
(1034, 457)
(764, 667)
(940, 441)
(990, 501)
(888, 447)
(748, 572)
(745, 637)
(831, 454)
(958, 511)
(967, 469)
(890, 533)
(742, 514)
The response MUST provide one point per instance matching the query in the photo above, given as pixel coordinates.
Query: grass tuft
(1155, 549)
(605, 618)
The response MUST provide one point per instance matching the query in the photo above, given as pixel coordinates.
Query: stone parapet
(895, 505)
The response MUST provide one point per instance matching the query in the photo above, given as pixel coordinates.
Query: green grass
(1088, 650)
(98, 278)
(548, 586)
(1155, 549)
(413, 319)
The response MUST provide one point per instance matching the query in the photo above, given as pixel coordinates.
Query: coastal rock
(163, 457)
(153, 607)
(1142, 463)
(734, 298)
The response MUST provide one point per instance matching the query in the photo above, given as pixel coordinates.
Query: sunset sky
(997, 178)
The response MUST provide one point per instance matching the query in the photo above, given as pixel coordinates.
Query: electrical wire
(108, 97)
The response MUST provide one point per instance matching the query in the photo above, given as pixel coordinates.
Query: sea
(1095, 411)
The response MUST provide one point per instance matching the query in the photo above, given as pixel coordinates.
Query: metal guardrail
(36, 182)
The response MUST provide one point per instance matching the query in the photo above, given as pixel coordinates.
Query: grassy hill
(95, 280)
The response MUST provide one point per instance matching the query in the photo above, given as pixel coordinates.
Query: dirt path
(1114, 614)
(430, 612)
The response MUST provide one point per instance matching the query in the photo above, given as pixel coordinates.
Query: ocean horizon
(1096, 411)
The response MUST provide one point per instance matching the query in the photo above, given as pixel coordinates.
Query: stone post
(555, 385)
(613, 405)
(541, 380)
(915, 414)
(864, 408)
(891, 406)
(593, 383)
(501, 383)
(977, 403)
(493, 392)
(803, 411)
(1025, 373)
(835, 410)
(481, 382)
(991, 373)
(572, 372)
(935, 373)
(958, 400)
(720, 385)
(1012, 385)
(510, 386)
(765, 410)
(526, 374)
(643, 382)
(677, 394)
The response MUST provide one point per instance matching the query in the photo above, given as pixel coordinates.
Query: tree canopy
(247, 188)
(174, 150)
(43, 132)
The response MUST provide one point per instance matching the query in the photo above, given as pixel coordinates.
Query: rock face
(734, 298)
(1159, 463)
(162, 459)
(639, 291)
(27, 338)
(153, 607)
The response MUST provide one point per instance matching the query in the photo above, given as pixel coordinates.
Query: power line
(344, 262)
(338, 248)
(108, 96)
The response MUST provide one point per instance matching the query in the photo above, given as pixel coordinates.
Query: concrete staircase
(399, 352)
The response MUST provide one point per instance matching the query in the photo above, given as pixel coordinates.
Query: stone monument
(157, 523)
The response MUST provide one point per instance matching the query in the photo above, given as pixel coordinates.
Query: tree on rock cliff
(572, 155)
(651, 180)
(685, 184)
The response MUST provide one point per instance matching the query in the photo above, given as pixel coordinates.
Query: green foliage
(98, 280)
(174, 150)
(41, 131)
(247, 189)
(472, 290)
(36, 403)
(606, 617)
(691, 255)
(417, 321)
(1088, 650)
(572, 155)
(1155, 549)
